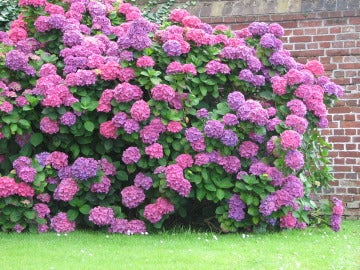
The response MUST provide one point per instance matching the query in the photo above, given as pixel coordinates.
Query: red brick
(337, 52)
(311, 23)
(337, 21)
(354, 21)
(324, 38)
(295, 39)
(335, 30)
(350, 154)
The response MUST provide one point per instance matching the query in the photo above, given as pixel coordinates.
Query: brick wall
(329, 31)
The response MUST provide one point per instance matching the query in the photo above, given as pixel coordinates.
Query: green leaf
(220, 194)
(85, 209)
(89, 126)
(210, 187)
(15, 215)
(200, 194)
(30, 214)
(75, 149)
(72, 214)
(36, 139)
(122, 176)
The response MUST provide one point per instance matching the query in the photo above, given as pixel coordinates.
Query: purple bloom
(297, 107)
(214, 129)
(131, 155)
(230, 164)
(42, 210)
(193, 134)
(336, 216)
(143, 181)
(118, 225)
(236, 208)
(131, 126)
(293, 186)
(172, 48)
(136, 227)
(132, 196)
(84, 168)
(230, 119)
(270, 41)
(27, 174)
(258, 168)
(202, 113)
(258, 28)
(119, 119)
(235, 100)
(229, 138)
(68, 119)
(101, 215)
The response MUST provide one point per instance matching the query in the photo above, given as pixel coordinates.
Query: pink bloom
(174, 127)
(57, 160)
(101, 215)
(49, 126)
(163, 92)
(294, 76)
(279, 85)
(24, 190)
(27, 174)
(108, 130)
(101, 187)
(8, 186)
(248, 149)
(191, 21)
(174, 67)
(189, 68)
(154, 150)
(315, 67)
(176, 181)
(66, 190)
(177, 15)
(288, 221)
(145, 61)
(290, 139)
(61, 224)
(6, 107)
(184, 160)
(140, 110)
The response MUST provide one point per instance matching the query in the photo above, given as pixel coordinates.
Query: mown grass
(313, 248)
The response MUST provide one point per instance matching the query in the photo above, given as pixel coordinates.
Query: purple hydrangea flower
(84, 168)
(236, 208)
(214, 129)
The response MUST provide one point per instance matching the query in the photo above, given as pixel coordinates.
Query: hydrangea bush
(111, 121)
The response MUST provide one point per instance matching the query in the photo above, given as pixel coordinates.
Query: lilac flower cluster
(132, 196)
(78, 170)
(236, 208)
(336, 216)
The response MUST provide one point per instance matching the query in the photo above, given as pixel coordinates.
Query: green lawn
(307, 249)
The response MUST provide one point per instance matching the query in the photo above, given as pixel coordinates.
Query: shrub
(109, 120)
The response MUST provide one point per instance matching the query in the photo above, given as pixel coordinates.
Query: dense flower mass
(107, 116)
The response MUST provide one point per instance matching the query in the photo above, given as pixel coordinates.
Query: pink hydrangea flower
(315, 67)
(248, 149)
(145, 62)
(101, 187)
(108, 130)
(290, 139)
(49, 126)
(61, 224)
(101, 215)
(154, 150)
(66, 190)
(140, 110)
(184, 160)
(174, 127)
(163, 92)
